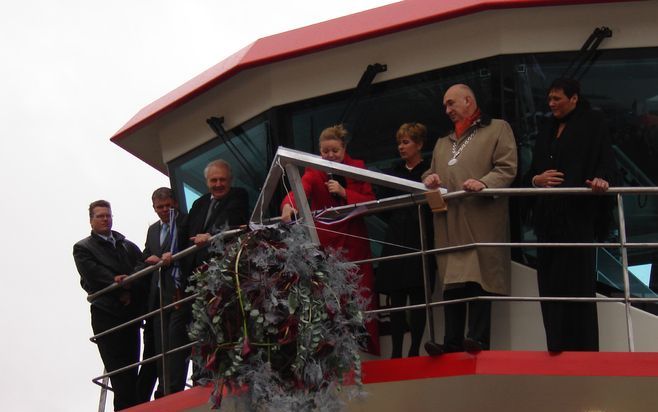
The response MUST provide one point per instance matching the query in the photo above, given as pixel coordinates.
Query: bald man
(480, 153)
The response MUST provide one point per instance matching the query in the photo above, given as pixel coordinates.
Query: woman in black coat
(402, 279)
(573, 151)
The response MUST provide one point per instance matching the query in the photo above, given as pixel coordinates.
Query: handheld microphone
(337, 178)
(341, 181)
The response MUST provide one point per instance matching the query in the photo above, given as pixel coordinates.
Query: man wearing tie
(223, 206)
(163, 239)
(104, 258)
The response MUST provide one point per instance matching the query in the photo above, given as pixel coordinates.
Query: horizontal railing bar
(524, 191)
(406, 200)
(136, 364)
(395, 203)
(143, 272)
(497, 298)
(142, 317)
(414, 307)
(447, 249)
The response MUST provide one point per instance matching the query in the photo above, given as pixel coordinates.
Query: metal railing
(102, 380)
(419, 199)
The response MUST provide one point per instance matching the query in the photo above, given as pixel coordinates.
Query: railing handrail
(406, 200)
(401, 201)
(150, 269)
(416, 198)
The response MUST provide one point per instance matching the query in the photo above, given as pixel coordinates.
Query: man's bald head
(460, 102)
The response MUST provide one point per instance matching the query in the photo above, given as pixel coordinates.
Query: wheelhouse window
(623, 84)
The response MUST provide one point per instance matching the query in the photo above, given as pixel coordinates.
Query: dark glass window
(621, 83)
(246, 151)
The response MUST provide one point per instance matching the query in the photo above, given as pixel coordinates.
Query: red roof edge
(522, 363)
(333, 33)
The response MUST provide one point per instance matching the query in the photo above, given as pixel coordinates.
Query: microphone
(341, 181)
(338, 178)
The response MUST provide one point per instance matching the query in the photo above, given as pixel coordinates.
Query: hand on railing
(473, 185)
(201, 239)
(597, 185)
(119, 279)
(124, 295)
(432, 181)
(154, 260)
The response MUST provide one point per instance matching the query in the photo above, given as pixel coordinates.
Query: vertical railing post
(164, 347)
(426, 282)
(300, 200)
(624, 262)
(103, 400)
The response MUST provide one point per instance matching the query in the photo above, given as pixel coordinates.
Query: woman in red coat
(351, 235)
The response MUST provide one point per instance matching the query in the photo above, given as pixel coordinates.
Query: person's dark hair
(417, 132)
(98, 203)
(337, 132)
(568, 86)
(163, 193)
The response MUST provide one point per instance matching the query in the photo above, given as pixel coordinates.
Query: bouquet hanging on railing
(278, 320)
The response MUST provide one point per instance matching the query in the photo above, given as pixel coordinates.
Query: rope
(360, 237)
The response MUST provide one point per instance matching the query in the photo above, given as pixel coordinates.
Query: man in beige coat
(479, 154)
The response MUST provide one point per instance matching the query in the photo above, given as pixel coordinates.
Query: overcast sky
(71, 74)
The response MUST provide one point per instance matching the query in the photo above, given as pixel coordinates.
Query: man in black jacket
(574, 150)
(104, 258)
(225, 205)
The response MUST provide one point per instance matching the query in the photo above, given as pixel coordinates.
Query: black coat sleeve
(93, 275)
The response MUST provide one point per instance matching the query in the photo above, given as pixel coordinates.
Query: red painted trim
(332, 33)
(178, 402)
(568, 364)
(461, 364)
(421, 367)
(513, 363)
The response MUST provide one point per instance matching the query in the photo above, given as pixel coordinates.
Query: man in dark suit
(104, 258)
(223, 206)
(163, 239)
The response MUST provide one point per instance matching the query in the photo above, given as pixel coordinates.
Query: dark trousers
(568, 272)
(479, 317)
(148, 374)
(175, 325)
(117, 350)
(417, 320)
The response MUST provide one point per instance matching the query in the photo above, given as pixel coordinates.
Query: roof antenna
(588, 53)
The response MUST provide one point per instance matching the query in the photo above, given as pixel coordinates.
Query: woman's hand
(432, 181)
(335, 188)
(550, 178)
(287, 213)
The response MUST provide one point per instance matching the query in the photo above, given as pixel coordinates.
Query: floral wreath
(278, 320)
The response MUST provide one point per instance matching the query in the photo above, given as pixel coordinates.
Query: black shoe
(434, 349)
(472, 346)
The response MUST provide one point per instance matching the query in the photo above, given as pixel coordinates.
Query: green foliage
(278, 320)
